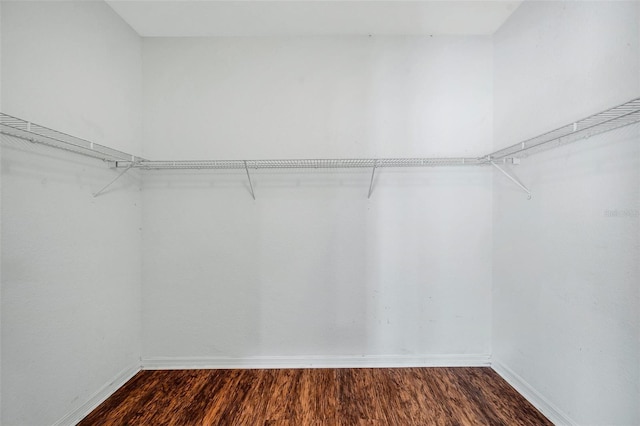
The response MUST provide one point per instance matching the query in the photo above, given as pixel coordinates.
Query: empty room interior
(320, 212)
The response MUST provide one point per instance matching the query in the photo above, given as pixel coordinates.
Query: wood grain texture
(372, 396)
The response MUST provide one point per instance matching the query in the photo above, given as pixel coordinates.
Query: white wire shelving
(335, 163)
(610, 119)
(41, 135)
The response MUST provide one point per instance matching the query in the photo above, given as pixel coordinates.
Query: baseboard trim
(367, 361)
(552, 412)
(98, 397)
(547, 408)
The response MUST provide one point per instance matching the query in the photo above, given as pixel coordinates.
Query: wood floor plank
(254, 403)
(497, 395)
(318, 403)
(283, 396)
(228, 402)
(443, 414)
(394, 396)
(357, 398)
(472, 390)
(409, 399)
(199, 397)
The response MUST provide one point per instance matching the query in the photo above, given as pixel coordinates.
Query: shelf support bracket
(512, 177)
(122, 173)
(249, 177)
(373, 174)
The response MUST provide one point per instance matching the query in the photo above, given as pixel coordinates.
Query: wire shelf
(614, 118)
(25, 130)
(336, 163)
(619, 116)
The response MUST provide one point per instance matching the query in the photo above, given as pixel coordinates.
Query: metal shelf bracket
(122, 173)
(373, 173)
(512, 177)
(249, 177)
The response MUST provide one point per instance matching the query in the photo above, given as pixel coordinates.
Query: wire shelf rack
(336, 163)
(613, 118)
(25, 130)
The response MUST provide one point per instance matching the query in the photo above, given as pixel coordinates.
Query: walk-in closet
(320, 212)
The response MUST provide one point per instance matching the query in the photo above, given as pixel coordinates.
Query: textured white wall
(70, 263)
(312, 267)
(566, 271)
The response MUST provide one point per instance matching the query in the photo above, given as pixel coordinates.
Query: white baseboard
(536, 399)
(367, 361)
(554, 414)
(98, 397)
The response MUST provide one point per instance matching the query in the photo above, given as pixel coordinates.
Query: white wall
(316, 96)
(313, 268)
(70, 263)
(566, 274)
(0, 220)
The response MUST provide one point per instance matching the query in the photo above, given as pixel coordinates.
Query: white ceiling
(188, 18)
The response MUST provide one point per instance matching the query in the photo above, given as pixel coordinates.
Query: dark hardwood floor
(376, 396)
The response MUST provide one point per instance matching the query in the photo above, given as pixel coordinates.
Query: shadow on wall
(327, 179)
(23, 159)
